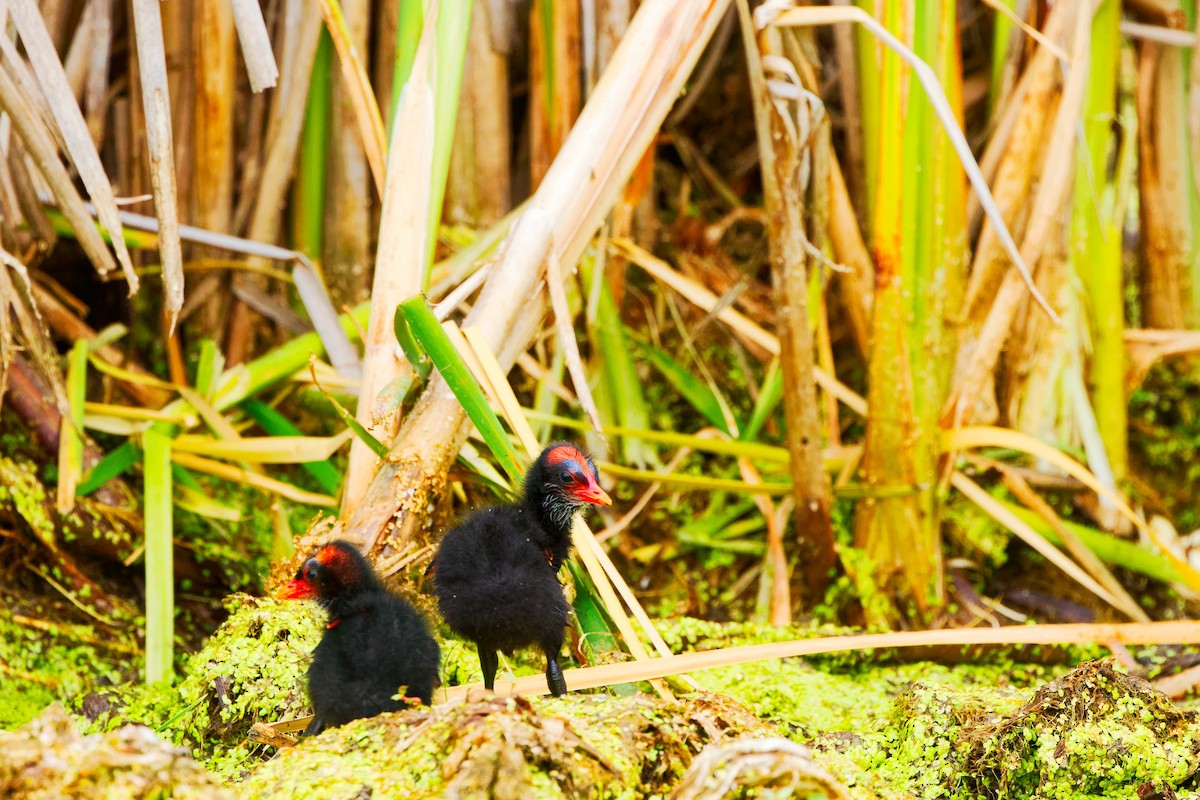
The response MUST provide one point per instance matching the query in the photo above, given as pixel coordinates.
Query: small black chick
(495, 574)
(375, 642)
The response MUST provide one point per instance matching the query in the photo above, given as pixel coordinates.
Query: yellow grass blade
(264, 449)
(988, 436)
(232, 473)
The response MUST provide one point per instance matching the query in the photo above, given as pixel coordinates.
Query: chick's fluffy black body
(497, 586)
(375, 645)
(495, 574)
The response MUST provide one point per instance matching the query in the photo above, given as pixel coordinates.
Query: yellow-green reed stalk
(308, 212)
(918, 241)
(159, 556)
(1003, 67)
(1096, 222)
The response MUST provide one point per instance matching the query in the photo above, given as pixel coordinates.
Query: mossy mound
(48, 759)
(1092, 733)
(251, 669)
(579, 746)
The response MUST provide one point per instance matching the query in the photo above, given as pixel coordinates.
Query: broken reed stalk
(283, 141)
(620, 120)
(152, 67)
(403, 233)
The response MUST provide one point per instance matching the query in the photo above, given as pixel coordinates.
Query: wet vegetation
(872, 324)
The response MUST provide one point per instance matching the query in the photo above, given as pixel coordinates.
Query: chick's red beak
(592, 493)
(298, 589)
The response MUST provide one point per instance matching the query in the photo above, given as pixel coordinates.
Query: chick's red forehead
(566, 452)
(330, 556)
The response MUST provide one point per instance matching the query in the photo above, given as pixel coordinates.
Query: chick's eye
(310, 573)
(566, 476)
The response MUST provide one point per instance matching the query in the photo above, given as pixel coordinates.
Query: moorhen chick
(375, 644)
(495, 573)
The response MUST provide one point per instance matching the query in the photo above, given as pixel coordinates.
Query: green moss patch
(251, 669)
(37, 667)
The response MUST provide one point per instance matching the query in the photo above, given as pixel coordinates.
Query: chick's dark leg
(314, 727)
(554, 674)
(489, 662)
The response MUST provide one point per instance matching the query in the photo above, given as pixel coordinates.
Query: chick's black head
(337, 570)
(562, 480)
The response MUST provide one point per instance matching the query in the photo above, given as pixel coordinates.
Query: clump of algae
(36, 668)
(48, 759)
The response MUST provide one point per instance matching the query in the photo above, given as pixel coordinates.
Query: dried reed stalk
(784, 134)
(621, 118)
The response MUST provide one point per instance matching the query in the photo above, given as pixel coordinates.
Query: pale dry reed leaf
(256, 44)
(1158, 33)
(324, 316)
(78, 140)
(1029, 30)
(566, 340)
(237, 474)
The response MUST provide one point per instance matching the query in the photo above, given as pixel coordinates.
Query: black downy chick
(495, 574)
(375, 644)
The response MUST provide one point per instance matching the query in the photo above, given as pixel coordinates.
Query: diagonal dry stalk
(621, 118)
